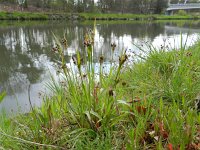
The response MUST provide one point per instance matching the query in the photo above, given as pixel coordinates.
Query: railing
(184, 6)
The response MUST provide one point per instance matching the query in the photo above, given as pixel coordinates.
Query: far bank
(90, 16)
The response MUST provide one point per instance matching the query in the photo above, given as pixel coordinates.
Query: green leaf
(123, 102)
(89, 117)
(78, 60)
(2, 95)
(96, 114)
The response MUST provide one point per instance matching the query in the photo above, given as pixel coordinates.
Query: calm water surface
(26, 58)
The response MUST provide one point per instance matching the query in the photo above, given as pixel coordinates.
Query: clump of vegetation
(99, 16)
(89, 16)
(182, 13)
(23, 16)
(147, 105)
(175, 75)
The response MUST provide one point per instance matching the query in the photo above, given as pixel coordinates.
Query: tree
(21, 4)
(159, 6)
(104, 6)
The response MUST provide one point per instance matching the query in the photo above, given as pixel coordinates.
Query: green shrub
(182, 13)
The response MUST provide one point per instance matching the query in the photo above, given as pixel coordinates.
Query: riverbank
(150, 104)
(89, 16)
(92, 16)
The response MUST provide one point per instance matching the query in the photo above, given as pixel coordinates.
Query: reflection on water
(26, 57)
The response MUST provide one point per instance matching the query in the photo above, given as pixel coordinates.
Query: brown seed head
(101, 59)
(54, 49)
(113, 46)
(124, 83)
(64, 42)
(122, 59)
(111, 92)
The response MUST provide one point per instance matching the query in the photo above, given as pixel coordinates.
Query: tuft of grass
(168, 75)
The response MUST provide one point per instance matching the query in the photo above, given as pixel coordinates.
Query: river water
(27, 60)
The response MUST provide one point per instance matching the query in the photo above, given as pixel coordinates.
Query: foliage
(103, 6)
(182, 13)
(23, 16)
(2, 95)
(175, 75)
(89, 16)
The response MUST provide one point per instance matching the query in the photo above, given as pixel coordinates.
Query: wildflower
(64, 42)
(113, 45)
(54, 49)
(189, 54)
(122, 59)
(57, 46)
(86, 43)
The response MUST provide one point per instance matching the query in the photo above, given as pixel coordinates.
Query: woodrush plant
(87, 106)
(93, 104)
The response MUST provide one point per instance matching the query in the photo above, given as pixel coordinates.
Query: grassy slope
(149, 105)
(168, 75)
